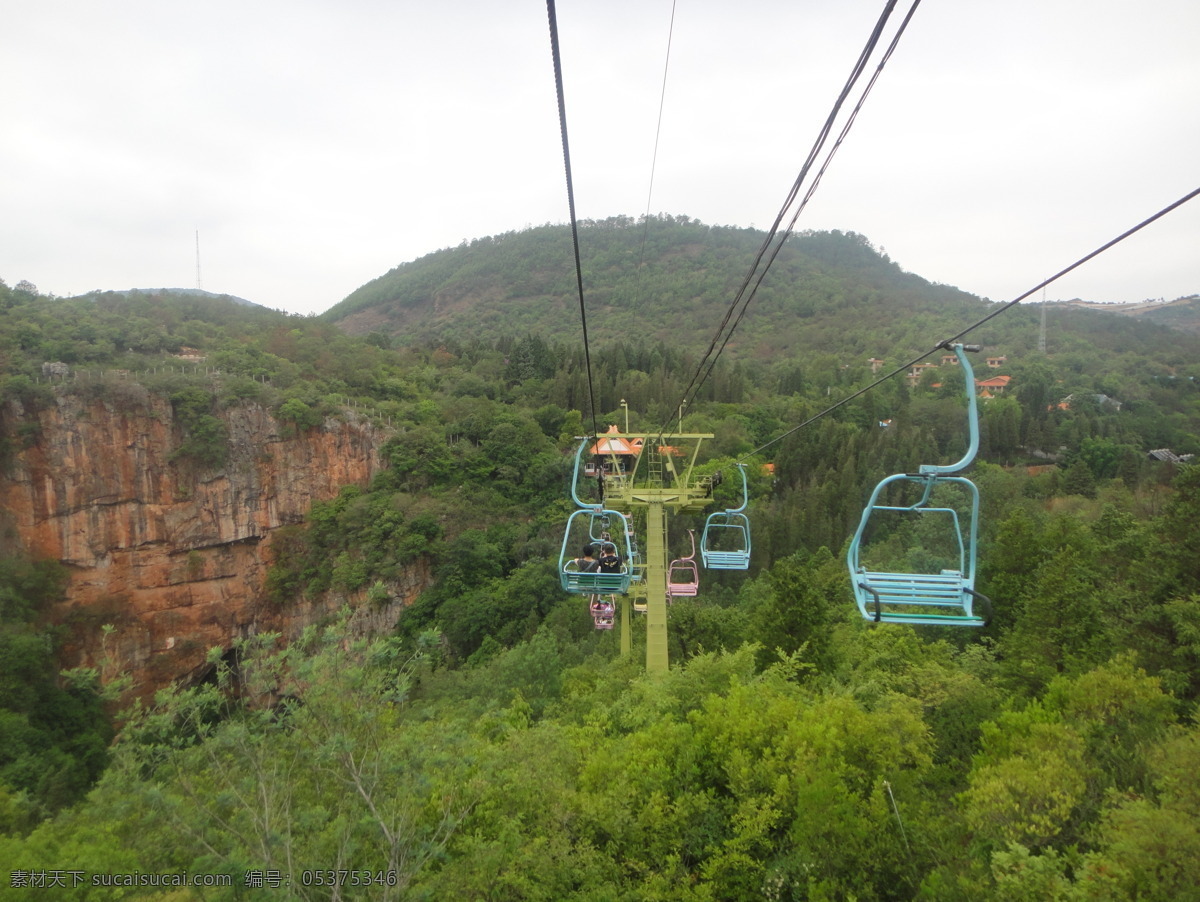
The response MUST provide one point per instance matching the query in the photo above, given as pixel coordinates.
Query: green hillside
(673, 280)
(662, 278)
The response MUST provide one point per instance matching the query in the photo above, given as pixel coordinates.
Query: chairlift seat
(944, 598)
(593, 582)
(726, 527)
(683, 581)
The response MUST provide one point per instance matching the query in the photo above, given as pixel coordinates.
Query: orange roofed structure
(618, 449)
(612, 442)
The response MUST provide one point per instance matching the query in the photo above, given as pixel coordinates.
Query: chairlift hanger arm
(972, 417)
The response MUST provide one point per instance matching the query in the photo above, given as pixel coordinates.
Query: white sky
(315, 144)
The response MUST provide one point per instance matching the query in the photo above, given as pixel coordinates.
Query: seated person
(587, 563)
(609, 561)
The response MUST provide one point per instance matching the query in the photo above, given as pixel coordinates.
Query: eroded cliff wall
(171, 555)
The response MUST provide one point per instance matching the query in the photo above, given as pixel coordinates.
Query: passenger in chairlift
(609, 561)
(587, 563)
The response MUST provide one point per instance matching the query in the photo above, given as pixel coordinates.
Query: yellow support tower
(640, 471)
(656, 586)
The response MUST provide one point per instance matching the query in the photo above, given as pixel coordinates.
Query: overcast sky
(316, 144)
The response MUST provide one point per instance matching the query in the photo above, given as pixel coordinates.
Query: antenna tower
(198, 286)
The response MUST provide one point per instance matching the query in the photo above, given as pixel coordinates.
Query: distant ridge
(175, 292)
(193, 292)
(1181, 313)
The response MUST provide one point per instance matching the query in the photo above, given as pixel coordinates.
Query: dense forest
(496, 746)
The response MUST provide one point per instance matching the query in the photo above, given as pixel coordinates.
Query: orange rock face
(174, 558)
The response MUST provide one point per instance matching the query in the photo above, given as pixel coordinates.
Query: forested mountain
(672, 280)
(659, 278)
(494, 745)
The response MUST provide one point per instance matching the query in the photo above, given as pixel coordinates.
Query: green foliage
(299, 415)
(796, 615)
(26, 585)
(1027, 783)
(205, 437)
(1174, 557)
(53, 737)
(266, 787)
(1023, 877)
(1149, 846)
(355, 539)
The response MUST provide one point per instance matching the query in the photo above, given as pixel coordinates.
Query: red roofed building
(988, 388)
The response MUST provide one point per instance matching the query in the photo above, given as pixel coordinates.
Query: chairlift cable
(822, 137)
(947, 342)
(1082, 260)
(562, 121)
(662, 101)
(815, 183)
(716, 346)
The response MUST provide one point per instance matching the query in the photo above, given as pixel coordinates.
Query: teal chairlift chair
(725, 542)
(947, 597)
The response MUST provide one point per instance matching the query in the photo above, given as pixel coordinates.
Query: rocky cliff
(172, 556)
